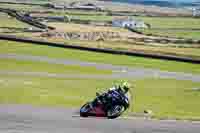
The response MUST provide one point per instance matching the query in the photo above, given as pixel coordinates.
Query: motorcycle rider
(122, 89)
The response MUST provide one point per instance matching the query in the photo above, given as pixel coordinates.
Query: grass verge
(70, 27)
(10, 22)
(38, 50)
(171, 22)
(174, 33)
(180, 50)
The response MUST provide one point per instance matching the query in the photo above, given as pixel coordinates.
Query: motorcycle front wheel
(84, 110)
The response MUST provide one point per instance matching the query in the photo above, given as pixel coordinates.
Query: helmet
(125, 87)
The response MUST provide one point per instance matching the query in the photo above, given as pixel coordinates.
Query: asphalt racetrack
(118, 71)
(29, 119)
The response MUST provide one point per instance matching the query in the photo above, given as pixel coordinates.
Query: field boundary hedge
(102, 50)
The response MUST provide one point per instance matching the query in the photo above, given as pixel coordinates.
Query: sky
(182, 0)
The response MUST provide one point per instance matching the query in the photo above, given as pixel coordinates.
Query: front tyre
(115, 112)
(84, 111)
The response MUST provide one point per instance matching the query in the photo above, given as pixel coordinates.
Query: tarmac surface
(29, 119)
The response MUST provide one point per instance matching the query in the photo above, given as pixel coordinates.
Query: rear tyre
(115, 112)
(84, 110)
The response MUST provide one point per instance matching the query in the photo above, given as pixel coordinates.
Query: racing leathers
(106, 97)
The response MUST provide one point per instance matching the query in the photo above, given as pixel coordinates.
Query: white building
(129, 23)
(196, 12)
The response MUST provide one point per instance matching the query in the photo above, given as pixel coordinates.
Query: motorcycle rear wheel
(115, 112)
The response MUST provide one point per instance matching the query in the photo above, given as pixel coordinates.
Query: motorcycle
(101, 106)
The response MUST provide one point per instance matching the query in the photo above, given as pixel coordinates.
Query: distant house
(129, 23)
(195, 12)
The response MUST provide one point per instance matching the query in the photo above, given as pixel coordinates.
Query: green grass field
(173, 33)
(10, 22)
(98, 18)
(166, 98)
(171, 22)
(10, 25)
(172, 49)
(81, 28)
(20, 7)
(29, 49)
(87, 15)
(155, 22)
